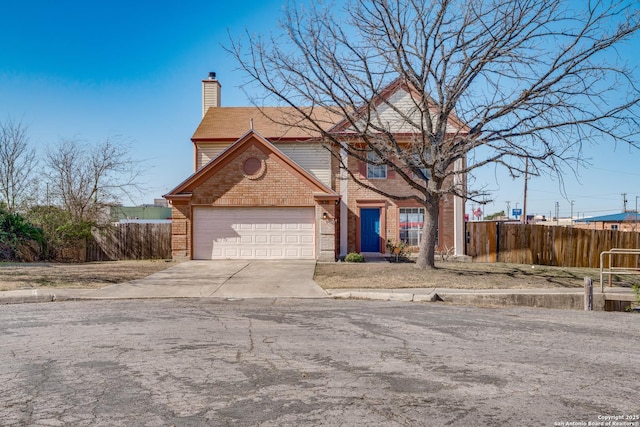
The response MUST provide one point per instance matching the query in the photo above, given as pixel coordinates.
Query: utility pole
(524, 204)
(635, 222)
(557, 213)
(572, 202)
(624, 202)
(509, 206)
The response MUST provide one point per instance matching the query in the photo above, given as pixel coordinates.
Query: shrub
(354, 257)
(636, 291)
(399, 251)
(19, 240)
(61, 231)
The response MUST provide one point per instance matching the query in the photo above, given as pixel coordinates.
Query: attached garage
(253, 233)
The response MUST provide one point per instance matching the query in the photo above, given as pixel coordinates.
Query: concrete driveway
(222, 279)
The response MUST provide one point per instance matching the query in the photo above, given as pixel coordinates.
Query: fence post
(588, 294)
(498, 231)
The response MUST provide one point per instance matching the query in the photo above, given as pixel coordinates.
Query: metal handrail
(616, 270)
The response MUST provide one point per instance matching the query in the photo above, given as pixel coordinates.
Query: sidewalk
(560, 298)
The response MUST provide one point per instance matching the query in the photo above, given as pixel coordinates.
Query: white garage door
(253, 233)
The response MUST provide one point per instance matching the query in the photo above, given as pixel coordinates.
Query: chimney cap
(212, 75)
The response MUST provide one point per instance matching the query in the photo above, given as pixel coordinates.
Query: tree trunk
(426, 256)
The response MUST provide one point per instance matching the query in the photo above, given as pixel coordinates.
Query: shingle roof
(273, 122)
(619, 217)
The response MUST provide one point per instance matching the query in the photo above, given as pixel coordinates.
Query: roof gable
(251, 138)
(403, 99)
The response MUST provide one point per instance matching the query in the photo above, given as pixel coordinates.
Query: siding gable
(404, 102)
(314, 158)
(205, 152)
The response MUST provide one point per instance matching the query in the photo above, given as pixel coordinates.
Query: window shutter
(362, 169)
(391, 174)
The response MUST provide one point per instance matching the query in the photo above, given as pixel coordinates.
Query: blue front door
(370, 230)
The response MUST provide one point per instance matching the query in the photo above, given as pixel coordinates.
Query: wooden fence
(547, 245)
(130, 241)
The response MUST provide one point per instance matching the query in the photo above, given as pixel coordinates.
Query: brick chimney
(210, 93)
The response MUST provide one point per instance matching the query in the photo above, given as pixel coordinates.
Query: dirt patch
(449, 275)
(91, 275)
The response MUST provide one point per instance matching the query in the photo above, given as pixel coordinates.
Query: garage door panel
(276, 253)
(291, 239)
(254, 233)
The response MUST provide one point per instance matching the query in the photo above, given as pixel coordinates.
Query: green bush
(636, 291)
(19, 239)
(61, 231)
(354, 257)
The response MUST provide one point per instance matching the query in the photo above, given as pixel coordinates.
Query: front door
(370, 230)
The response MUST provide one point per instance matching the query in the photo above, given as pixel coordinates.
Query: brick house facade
(262, 189)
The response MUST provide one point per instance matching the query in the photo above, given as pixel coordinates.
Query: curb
(550, 299)
(24, 297)
(387, 296)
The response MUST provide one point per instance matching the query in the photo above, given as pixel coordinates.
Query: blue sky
(132, 70)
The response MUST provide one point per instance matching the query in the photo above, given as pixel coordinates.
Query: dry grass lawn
(95, 275)
(90, 275)
(450, 275)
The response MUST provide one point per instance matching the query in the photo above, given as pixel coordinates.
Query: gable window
(411, 224)
(375, 171)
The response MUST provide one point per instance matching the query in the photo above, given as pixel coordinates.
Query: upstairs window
(426, 173)
(375, 171)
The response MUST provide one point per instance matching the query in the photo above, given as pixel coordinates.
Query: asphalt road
(314, 362)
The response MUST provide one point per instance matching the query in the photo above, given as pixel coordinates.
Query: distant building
(623, 221)
(144, 213)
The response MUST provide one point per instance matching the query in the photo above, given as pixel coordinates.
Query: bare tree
(17, 165)
(497, 81)
(84, 179)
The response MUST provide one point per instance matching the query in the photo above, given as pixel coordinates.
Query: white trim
(458, 212)
(344, 210)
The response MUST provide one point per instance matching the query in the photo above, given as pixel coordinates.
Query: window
(411, 223)
(614, 226)
(375, 171)
(425, 172)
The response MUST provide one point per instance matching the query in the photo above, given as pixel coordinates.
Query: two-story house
(264, 190)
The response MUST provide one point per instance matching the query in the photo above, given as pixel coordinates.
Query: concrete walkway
(198, 279)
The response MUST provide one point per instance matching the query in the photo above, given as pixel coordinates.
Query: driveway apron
(223, 279)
